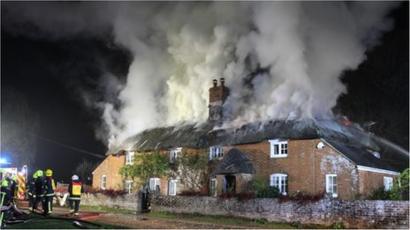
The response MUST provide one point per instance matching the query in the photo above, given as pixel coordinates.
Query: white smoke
(291, 54)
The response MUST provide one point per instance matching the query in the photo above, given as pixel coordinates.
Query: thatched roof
(350, 140)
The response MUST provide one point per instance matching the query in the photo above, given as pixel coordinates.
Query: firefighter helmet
(74, 177)
(49, 172)
(40, 173)
(35, 175)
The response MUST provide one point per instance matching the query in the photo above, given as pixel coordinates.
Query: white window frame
(215, 182)
(278, 148)
(103, 182)
(172, 183)
(215, 152)
(128, 186)
(330, 187)
(153, 183)
(173, 154)
(388, 183)
(280, 181)
(129, 157)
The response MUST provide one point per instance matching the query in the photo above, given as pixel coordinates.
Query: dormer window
(129, 158)
(278, 148)
(215, 152)
(173, 154)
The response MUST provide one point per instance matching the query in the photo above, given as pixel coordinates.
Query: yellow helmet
(49, 172)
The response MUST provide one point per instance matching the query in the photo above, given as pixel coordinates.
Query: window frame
(389, 180)
(129, 157)
(156, 182)
(214, 192)
(128, 186)
(103, 182)
(173, 154)
(330, 187)
(174, 183)
(281, 147)
(281, 183)
(215, 152)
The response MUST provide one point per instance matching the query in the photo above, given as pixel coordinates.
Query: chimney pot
(215, 82)
(222, 80)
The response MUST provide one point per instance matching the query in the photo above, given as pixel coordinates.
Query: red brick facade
(305, 165)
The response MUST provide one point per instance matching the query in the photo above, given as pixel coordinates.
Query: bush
(263, 190)
(193, 193)
(302, 197)
(380, 194)
(240, 196)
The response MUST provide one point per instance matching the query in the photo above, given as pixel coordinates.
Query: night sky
(49, 78)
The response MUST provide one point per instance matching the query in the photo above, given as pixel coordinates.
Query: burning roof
(347, 138)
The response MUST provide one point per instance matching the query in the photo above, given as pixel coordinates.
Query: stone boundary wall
(353, 214)
(128, 201)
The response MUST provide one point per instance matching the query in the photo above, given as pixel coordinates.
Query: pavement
(128, 220)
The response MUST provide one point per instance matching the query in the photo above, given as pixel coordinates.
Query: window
(278, 148)
(331, 184)
(172, 187)
(280, 181)
(388, 183)
(212, 187)
(215, 152)
(129, 158)
(154, 184)
(128, 186)
(173, 154)
(103, 182)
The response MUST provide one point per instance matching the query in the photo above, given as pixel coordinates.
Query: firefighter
(75, 189)
(6, 189)
(49, 192)
(38, 189)
(13, 187)
(31, 191)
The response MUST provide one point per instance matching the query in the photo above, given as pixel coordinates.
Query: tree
(191, 168)
(84, 170)
(146, 166)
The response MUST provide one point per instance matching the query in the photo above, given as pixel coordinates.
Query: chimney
(217, 97)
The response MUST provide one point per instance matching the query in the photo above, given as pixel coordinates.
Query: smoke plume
(281, 60)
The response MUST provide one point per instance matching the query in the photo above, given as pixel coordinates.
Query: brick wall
(305, 165)
(369, 181)
(354, 214)
(110, 167)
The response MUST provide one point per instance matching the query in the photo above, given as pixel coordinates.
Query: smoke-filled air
(281, 60)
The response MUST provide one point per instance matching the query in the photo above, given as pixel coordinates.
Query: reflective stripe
(74, 198)
(51, 194)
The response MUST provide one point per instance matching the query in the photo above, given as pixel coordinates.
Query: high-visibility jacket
(49, 186)
(75, 189)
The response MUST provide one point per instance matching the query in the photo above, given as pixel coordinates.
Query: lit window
(280, 181)
(129, 158)
(173, 154)
(103, 183)
(331, 184)
(388, 183)
(128, 186)
(172, 187)
(278, 148)
(154, 184)
(215, 152)
(212, 187)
